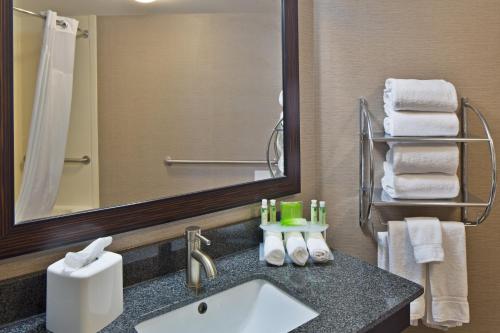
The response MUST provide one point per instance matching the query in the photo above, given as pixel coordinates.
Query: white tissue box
(85, 300)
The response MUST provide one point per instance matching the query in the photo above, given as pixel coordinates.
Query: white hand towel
(426, 239)
(402, 263)
(274, 251)
(423, 158)
(318, 249)
(421, 95)
(296, 248)
(422, 124)
(448, 280)
(382, 250)
(419, 186)
(77, 260)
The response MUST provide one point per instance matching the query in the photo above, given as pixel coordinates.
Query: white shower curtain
(50, 120)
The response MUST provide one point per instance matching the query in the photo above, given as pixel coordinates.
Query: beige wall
(190, 86)
(358, 44)
(17, 266)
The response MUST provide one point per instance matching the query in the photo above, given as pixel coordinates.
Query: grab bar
(169, 161)
(85, 159)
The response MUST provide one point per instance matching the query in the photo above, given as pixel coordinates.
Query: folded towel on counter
(426, 239)
(383, 250)
(402, 263)
(296, 248)
(448, 280)
(423, 158)
(274, 251)
(422, 124)
(77, 260)
(318, 249)
(420, 95)
(419, 186)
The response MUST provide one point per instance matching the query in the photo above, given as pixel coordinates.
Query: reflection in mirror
(119, 102)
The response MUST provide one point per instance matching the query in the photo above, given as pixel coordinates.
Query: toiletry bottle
(322, 213)
(314, 211)
(264, 212)
(272, 211)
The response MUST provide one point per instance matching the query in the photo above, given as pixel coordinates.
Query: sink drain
(202, 308)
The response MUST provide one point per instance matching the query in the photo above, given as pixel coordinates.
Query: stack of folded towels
(298, 248)
(421, 108)
(432, 254)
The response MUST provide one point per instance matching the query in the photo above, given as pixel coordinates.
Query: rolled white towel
(423, 158)
(296, 248)
(422, 124)
(77, 260)
(274, 251)
(318, 249)
(419, 186)
(420, 95)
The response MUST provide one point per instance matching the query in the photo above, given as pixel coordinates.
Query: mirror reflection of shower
(275, 154)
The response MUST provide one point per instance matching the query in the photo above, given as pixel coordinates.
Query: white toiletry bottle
(272, 211)
(264, 212)
(314, 211)
(322, 213)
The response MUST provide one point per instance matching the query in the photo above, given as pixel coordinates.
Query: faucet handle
(203, 239)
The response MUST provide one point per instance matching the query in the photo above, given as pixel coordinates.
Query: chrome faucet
(195, 257)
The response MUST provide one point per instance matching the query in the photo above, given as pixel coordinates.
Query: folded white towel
(382, 250)
(402, 263)
(274, 251)
(318, 249)
(448, 280)
(426, 239)
(419, 186)
(77, 260)
(296, 248)
(420, 95)
(423, 158)
(422, 124)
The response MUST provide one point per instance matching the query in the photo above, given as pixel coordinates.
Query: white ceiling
(131, 7)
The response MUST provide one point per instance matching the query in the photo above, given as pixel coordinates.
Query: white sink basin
(253, 307)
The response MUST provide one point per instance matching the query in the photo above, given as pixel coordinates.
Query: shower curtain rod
(82, 33)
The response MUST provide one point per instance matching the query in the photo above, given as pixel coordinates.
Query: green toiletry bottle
(314, 211)
(272, 211)
(322, 213)
(264, 212)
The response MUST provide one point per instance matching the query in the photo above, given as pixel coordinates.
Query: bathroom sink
(256, 306)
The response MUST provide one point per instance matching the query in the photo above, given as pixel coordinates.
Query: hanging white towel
(426, 239)
(420, 95)
(296, 248)
(317, 247)
(422, 124)
(402, 263)
(274, 251)
(448, 280)
(383, 250)
(423, 158)
(419, 186)
(49, 122)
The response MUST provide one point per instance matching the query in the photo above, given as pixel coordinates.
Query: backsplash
(25, 296)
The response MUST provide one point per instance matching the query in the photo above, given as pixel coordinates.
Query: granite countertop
(349, 294)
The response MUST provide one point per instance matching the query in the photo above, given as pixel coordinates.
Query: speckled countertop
(350, 295)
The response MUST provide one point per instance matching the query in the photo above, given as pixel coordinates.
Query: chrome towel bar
(169, 161)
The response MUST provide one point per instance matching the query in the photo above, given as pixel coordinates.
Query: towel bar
(370, 197)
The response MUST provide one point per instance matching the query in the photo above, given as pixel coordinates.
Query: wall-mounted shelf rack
(370, 197)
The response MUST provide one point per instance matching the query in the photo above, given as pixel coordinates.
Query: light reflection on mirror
(118, 102)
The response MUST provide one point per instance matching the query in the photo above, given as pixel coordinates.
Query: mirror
(120, 102)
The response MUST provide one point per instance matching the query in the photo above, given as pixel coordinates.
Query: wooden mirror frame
(62, 230)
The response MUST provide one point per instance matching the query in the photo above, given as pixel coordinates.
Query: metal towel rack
(370, 197)
(82, 160)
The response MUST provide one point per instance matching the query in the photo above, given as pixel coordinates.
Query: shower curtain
(50, 120)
